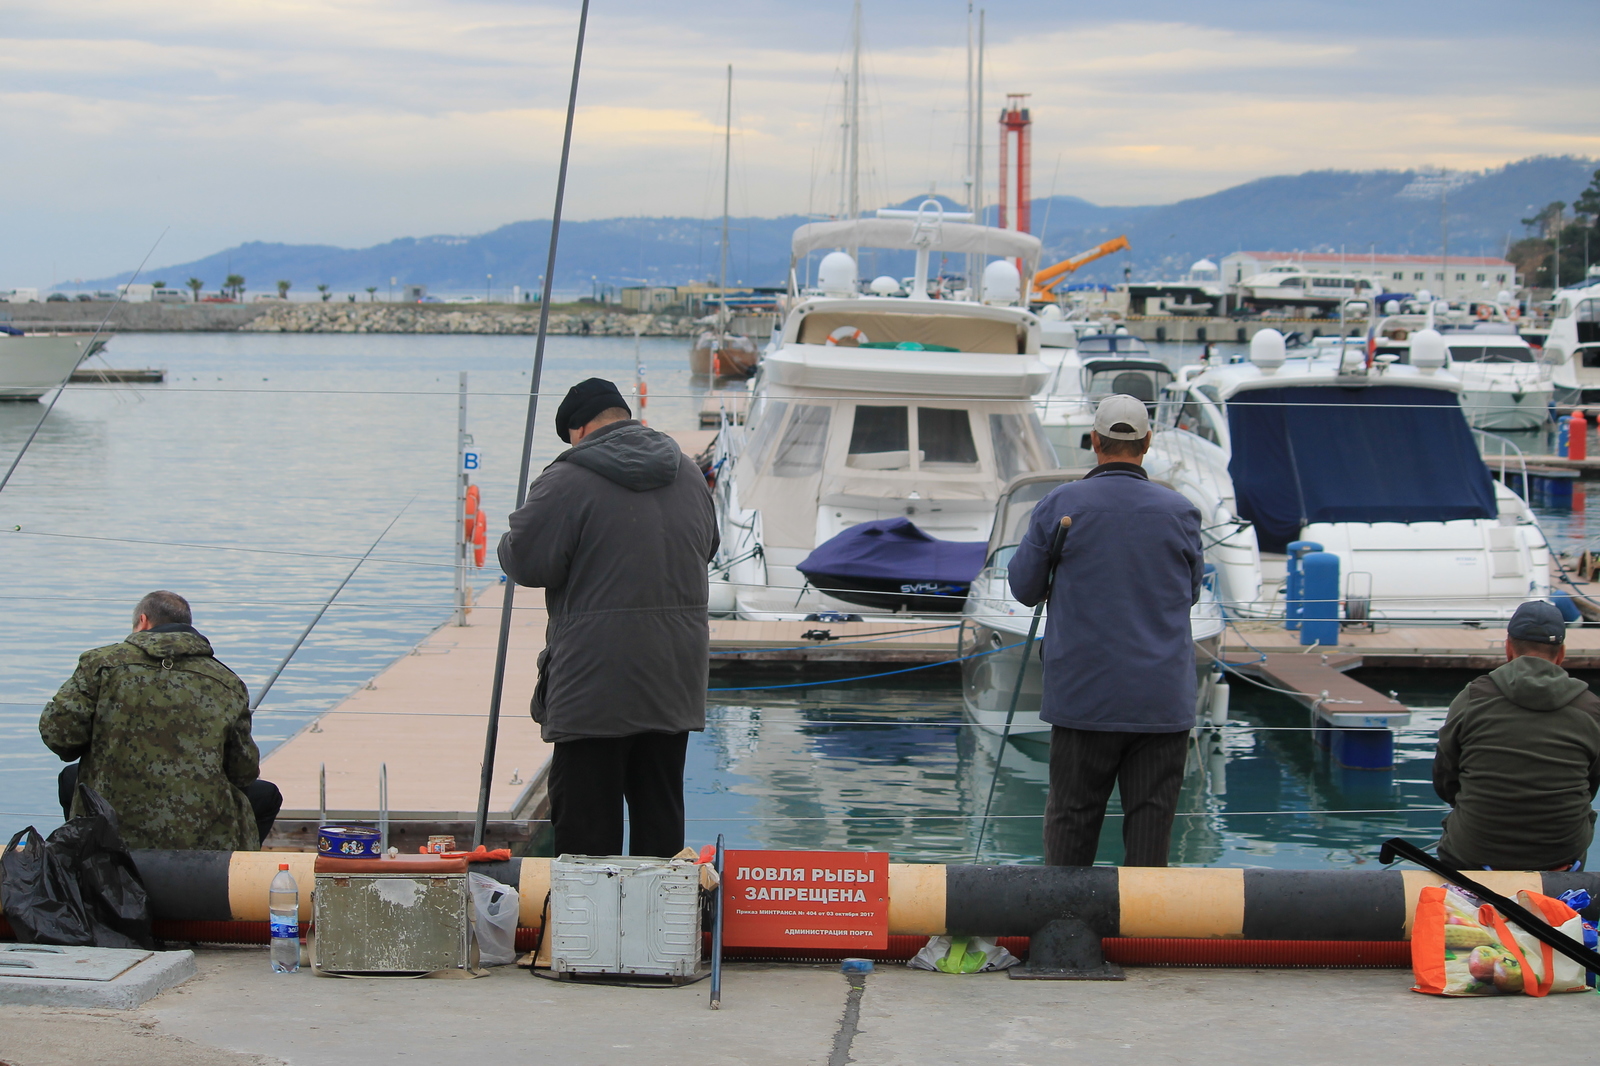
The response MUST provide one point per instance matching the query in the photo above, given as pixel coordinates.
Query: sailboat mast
(977, 155)
(854, 207)
(971, 174)
(727, 170)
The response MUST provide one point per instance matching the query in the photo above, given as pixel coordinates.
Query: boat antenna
(480, 827)
(88, 350)
(727, 170)
(261, 695)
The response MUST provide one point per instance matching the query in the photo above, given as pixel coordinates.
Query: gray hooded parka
(618, 531)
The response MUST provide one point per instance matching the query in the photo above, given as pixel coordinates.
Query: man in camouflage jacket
(162, 731)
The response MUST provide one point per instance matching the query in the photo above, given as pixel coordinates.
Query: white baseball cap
(1122, 417)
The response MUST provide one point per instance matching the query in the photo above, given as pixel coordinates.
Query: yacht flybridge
(1504, 385)
(881, 430)
(1374, 462)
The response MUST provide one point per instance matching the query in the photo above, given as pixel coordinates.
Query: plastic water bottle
(283, 909)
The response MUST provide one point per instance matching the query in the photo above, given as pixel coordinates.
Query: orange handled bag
(1462, 947)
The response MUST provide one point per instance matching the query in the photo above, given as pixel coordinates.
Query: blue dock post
(1294, 585)
(1319, 610)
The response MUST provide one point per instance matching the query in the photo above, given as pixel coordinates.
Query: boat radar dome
(836, 274)
(1424, 296)
(1203, 266)
(1050, 313)
(1267, 349)
(884, 285)
(1428, 350)
(1001, 283)
(1504, 297)
(1391, 307)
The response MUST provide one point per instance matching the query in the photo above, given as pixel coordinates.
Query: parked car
(58, 298)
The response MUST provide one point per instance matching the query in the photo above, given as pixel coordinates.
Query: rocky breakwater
(445, 318)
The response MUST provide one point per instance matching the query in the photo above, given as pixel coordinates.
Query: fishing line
(491, 735)
(261, 695)
(88, 350)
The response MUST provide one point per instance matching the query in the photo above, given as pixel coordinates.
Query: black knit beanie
(583, 402)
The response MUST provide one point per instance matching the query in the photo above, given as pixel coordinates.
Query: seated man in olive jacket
(161, 730)
(1519, 757)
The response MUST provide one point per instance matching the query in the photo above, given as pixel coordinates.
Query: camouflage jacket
(162, 731)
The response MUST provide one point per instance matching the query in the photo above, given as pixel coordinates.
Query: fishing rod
(491, 735)
(328, 603)
(1056, 543)
(88, 351)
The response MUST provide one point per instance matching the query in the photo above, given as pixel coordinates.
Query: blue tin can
(855, 966)
(349, 842)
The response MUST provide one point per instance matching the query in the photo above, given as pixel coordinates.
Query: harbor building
(1455, 278)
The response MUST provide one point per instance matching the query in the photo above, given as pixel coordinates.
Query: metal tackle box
(409, 915)
(616, 915)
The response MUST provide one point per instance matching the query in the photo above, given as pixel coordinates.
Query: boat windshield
(1334, 453)
(1111, 343)
(1489, 353)
(1013, 512)
(1143, 379)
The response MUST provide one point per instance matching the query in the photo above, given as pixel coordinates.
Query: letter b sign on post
(471, 460)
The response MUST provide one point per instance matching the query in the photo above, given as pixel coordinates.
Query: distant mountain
(1326, 210)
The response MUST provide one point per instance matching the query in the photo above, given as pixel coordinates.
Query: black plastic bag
(80, 887)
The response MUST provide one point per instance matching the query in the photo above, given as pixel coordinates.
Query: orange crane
(1051, 276)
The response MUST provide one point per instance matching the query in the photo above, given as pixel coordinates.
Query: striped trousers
(1146, 768)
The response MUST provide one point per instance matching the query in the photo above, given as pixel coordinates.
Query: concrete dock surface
(237, 1013)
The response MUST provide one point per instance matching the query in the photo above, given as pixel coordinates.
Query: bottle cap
(283, 866)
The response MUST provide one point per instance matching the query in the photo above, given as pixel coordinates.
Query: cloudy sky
(351, 122)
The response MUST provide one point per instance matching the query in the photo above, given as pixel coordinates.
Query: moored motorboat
(872, 409)
(31, 364)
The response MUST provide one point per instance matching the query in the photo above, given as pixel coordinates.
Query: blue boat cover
(1331, 453)
(895, 552)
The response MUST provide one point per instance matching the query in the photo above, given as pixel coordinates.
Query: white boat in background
(1376, 464)
(1102, 363)
(891, 417)
(31, 364)
(1505, 385)
(1572, 346)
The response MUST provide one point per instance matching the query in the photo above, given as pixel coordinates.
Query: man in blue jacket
(1119, 673)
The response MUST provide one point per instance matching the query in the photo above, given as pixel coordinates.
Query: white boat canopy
(913, 235)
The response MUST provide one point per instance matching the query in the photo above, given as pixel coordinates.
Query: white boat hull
(31, 366)
(1497, 409)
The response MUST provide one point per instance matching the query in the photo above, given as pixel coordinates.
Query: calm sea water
(252, 479)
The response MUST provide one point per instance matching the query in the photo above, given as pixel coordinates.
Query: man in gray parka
(617, 531)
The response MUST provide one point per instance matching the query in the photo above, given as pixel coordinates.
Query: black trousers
(590, 779)
(265, 799)
(1146, 768)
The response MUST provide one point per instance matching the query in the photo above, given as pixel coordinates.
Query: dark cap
(1538, 622)
(583, 402)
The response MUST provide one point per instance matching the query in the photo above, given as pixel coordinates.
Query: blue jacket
(1118, 655)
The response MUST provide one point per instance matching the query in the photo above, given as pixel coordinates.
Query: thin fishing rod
(88, 351)
(328, 603)
(492, 734)
(1056, 543)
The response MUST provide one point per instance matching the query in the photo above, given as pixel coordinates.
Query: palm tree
(371, 293)
(234, 284)
(326, 295)
(195, 285)
(283, 289)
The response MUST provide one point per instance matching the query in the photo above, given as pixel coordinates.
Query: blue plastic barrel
(1566, 605)
(1293, 587)
(1319, 613)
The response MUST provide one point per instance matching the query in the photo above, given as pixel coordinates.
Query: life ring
(1513, 312)
(480, 540)
(1485, 312)
(846, 333)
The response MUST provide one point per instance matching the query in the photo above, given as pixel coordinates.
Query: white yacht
(1504, 383)
(1371, 458)
(1103, 362)
(993, 619)
(31, 364)
(881, 431)
(1573, 345)
(1288, 285)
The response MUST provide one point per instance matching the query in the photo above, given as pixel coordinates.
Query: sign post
(832, 900)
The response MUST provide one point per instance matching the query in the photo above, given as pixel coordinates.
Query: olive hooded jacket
(1519, 761)
(161, 729)
(618, 531)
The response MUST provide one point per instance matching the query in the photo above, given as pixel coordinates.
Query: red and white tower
(1014, 121)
